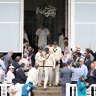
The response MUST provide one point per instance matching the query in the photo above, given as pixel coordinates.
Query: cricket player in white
(49, 67)
(57, 53)
(39, 59)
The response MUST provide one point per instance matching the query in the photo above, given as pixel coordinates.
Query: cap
(55, 42)
(78, 53)
(51, 42)
(46, 49)
(81, 59)
(78, 47)
(11, 66)
(40, 48)
(84, 76)
(31, 82)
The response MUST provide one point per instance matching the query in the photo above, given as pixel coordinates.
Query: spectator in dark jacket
(88, 61)
(20, 75)
(16, 64)
(92, 74)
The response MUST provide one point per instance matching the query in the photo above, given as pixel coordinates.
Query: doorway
(32, 21)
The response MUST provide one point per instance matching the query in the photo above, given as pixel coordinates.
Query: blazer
(65, 74)
(21, 77)
(88, 63)
(93, 78)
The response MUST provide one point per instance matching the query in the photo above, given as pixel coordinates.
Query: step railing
(71, 90)
(4, 89)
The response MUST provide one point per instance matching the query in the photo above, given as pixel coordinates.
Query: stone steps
(50, 91)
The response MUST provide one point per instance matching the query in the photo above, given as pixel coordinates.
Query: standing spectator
(32, 54)
(92, 74)
(28, 87)
(57, 53)
(39, 59)
(78, 49)
(77, 72)
(2, 65)
(77, 57)
(88, 61)
(93, 54)
(10, 75)
(61, 39)
(87, 51)
(66, 57)
(49, 67)
(9, 63)
(7, 57)
(82, 85)
(41, 37)
(20, 75)
(15, 88)
(16, 64)
(26, 62)
(32, 75)
(83, 66)
(92, 77)
(65, 74)
(25, 36)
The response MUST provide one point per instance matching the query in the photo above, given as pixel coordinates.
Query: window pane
(9, 37)
(9, 0)
(9, 12)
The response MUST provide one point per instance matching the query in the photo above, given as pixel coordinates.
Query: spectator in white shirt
(2, 65)
(15, 89)
(83, 67)
(10, 74)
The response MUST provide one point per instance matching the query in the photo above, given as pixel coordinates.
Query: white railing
(73, 91)
(4, 89)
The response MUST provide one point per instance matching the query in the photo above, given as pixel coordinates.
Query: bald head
(10, 53)
(92, 66)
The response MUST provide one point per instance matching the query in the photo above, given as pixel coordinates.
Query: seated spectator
(20, 75)
(28, 87)
(10, 74)
(88, 61)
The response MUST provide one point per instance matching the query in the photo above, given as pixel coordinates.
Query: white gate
(74, 90)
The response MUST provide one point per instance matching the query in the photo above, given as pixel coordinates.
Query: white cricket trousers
(48, 75)
(57, 74)
(40, 75)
